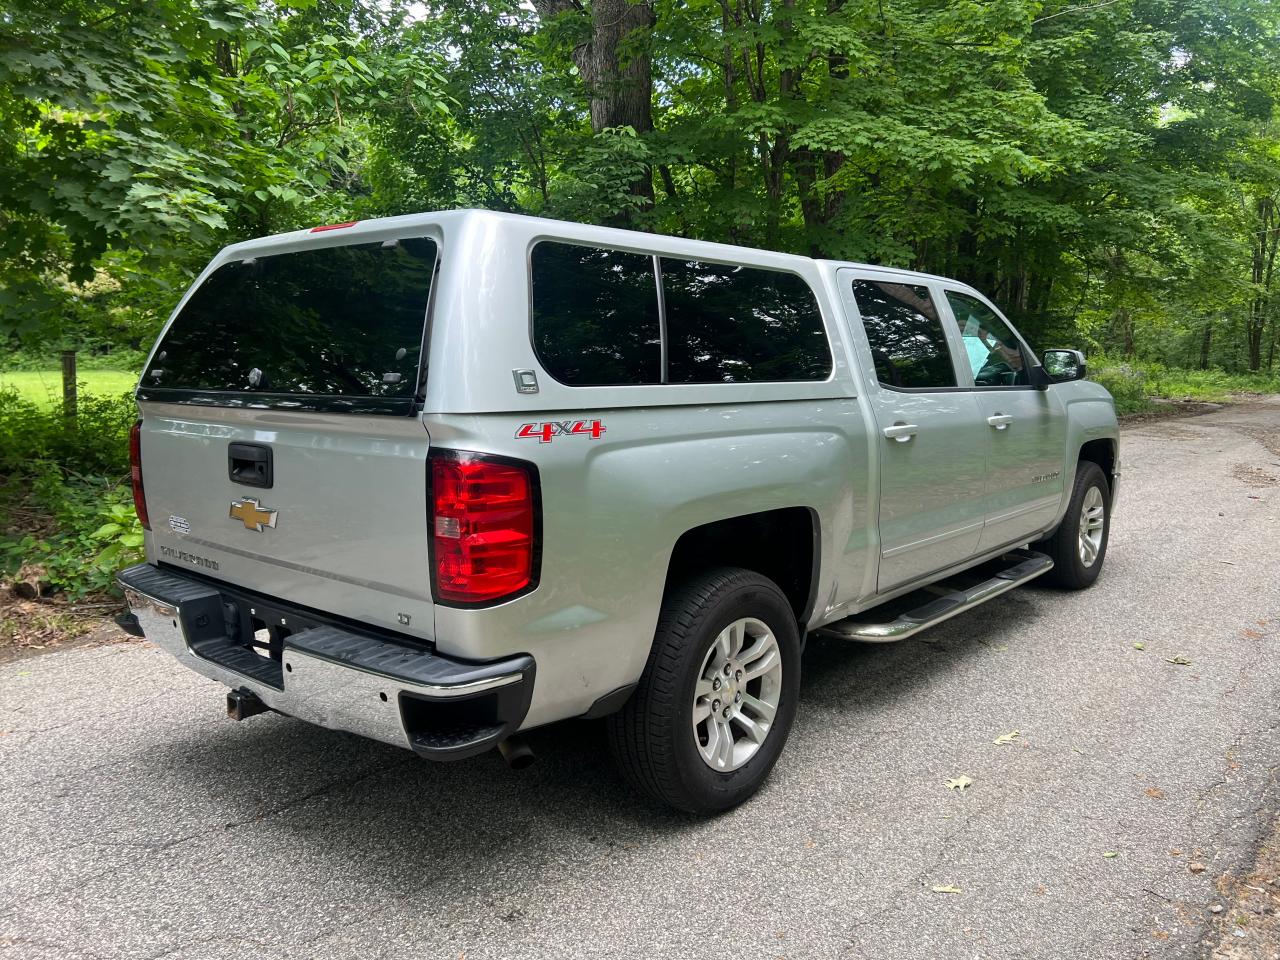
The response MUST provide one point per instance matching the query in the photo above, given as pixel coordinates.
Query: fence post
(69, 386)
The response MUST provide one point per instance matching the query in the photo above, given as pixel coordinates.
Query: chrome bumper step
(1013, 569)
(341, 677)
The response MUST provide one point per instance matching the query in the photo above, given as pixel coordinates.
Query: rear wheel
(717, 697)
(1079, 545)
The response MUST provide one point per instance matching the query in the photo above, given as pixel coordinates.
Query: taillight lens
(135, 474)
(484, 526)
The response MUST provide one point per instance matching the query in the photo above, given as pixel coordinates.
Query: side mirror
(1065, 365)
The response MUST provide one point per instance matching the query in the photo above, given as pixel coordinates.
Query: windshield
(327, 328)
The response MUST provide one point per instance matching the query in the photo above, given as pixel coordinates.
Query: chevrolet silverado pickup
(443, 478)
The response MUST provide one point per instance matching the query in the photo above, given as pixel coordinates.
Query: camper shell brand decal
(547, 431)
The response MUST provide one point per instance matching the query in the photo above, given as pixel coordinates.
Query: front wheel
(1079, 545)
(717, 697)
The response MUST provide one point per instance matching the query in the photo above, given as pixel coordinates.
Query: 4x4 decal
(544, 432)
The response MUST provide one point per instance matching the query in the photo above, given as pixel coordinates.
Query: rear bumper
(334, 676)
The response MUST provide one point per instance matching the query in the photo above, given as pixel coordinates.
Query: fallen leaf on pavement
(946, 889)
(1179, 661)
(959, 783)
(1007, 738)
(1139, 645)
(1155, 793)
(1110, 855)
(1197, 867)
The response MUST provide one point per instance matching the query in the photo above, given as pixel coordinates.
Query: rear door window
(595, 315)
(908, 343)
(736, 324)
(332, 327)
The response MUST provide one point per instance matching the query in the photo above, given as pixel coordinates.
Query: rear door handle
(1000, 421)
(902, 432)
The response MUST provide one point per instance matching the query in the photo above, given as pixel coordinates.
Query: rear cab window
(336, 328)
(603, 317)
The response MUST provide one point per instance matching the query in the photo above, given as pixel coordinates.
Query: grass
(1135, 383)
(45, 386)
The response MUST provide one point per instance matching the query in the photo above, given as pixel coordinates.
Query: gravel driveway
(137, 822)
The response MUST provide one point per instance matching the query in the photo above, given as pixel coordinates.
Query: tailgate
(279, 445)
(342, 527)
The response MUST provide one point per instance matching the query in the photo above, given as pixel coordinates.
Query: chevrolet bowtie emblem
(252, 514)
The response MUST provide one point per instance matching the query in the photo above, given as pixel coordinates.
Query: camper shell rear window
(337, 328)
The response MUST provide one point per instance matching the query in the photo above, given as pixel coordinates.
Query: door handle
(1000, 421)
(902, 432)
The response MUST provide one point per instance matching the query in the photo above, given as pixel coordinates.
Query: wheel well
(1101, 452)
(780, 544)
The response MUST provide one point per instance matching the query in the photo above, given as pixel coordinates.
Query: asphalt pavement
(138, 822)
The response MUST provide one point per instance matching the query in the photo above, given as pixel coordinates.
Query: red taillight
(135, 474)
(334, 226)
(483, 527)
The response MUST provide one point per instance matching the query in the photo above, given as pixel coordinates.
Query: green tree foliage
(142, 135)
(1108, 170)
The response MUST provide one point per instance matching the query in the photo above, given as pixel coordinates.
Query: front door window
(996, 357)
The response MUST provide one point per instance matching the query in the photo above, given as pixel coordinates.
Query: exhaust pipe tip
(516, 752)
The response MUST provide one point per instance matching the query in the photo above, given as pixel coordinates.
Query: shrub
(78, 531)
(67, 507)
(97, 444)
(1125, 382)
(1130, 381)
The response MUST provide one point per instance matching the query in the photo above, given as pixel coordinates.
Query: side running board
(1020, 566)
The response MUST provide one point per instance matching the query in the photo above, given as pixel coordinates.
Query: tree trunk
(820, 211)
(1253, 334)
(1265, 244)
(615, 66)
(1205, 342)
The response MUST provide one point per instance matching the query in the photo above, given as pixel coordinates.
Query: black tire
(652, 737)
(1069, 570)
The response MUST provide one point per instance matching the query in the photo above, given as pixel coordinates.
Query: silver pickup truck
(443, 478)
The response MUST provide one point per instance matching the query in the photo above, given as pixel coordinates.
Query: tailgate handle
(250, 464)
